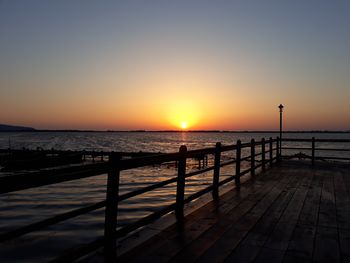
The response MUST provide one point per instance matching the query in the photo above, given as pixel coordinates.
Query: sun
(182, 116)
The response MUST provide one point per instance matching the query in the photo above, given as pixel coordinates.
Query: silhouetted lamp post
(281, 110)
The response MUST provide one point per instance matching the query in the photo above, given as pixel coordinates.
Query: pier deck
(291, 213)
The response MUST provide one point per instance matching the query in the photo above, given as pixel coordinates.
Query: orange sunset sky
(159, 65)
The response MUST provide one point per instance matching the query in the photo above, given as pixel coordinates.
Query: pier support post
(263, 153)
(313, 151)
(238, 165)
(180, 189)
(271, 151)
(252, 157)
(216, 170)
(110, 246)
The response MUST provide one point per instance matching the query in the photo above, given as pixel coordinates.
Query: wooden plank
(224, 246)
(327, 212)
(301, 244)
(270, 255)
(273, 219)
(341, 184)
(202, 219)
(260, 232)
(214, 232)
(246, 253)
(250, 247)
(326, 245)
(309, 212)
(344, 243)
(234, 199)
(293, 258)
(327, 241)
(280, 236)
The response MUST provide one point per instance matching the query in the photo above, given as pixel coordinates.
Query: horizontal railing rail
(29, 180)
(313, 148)
(316, 140)
(92, 153)
(116, 165)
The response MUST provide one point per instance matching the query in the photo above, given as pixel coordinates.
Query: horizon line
(190, 131)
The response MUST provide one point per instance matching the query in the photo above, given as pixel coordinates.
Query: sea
(28, 206)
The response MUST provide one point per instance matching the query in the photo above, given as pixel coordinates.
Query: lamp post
(281, 110)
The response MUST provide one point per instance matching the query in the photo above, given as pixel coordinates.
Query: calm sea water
(32, 205)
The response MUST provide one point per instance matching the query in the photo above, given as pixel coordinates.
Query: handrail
(315, 149)
(42, 178)
(316, 140)
(115, 166)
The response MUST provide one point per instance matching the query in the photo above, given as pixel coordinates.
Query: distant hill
(4, 127)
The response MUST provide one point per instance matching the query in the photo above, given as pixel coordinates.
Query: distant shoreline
(168, 131)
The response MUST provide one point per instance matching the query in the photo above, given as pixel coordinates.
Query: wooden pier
(294, 212)
(287, 211)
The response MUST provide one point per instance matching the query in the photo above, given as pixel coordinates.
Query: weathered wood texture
(292, 213)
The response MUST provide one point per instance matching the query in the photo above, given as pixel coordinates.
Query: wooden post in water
(238, 165)
(110, 246)
(271, 151)
(263, 153)
(313, 151)
(180, 189)
(252, 157)
(216, 170)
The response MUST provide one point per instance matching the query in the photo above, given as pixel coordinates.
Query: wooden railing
(17, 154)
(113, 169)
(314, 149)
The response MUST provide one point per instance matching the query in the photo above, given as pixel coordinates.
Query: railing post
(277, 149)
(252, 157)
(271, 151)
(216, 170)
(238, 165)
(263, 153)
(111, 211)
(313, 151)
(180, 189)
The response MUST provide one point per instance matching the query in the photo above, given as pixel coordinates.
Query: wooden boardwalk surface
(291, 213)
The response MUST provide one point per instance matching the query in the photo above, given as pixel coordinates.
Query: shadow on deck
(292, 213)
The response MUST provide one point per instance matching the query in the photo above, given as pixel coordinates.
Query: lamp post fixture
(281, 110)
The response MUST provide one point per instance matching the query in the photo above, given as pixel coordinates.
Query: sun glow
(183, 115)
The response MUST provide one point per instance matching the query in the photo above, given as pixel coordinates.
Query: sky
(159, 65)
